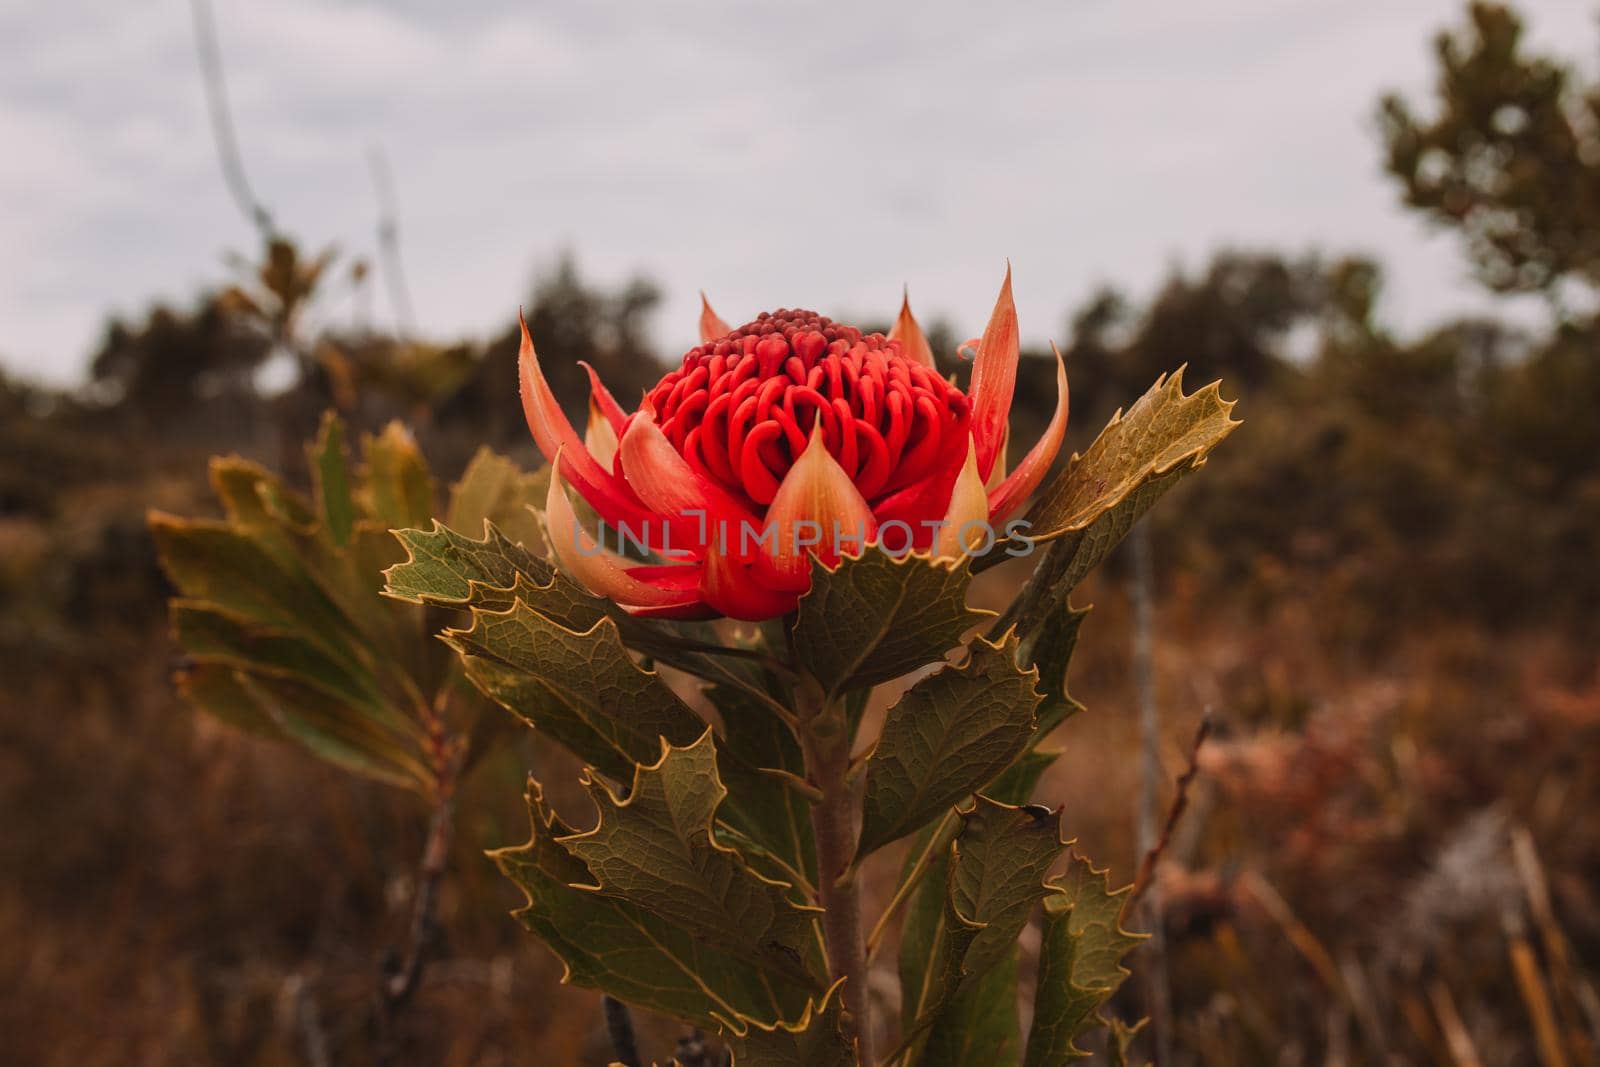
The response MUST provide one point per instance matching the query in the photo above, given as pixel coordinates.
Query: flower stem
(825, 739)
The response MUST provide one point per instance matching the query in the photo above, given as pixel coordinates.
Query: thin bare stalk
(222, 130)
(402, 981)
(403, 974)
(1145, 877)
(1158, 991)
(907, 886)
(389, 241)
(825, 740)
(619, 1028)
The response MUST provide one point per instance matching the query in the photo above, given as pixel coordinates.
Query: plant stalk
(825, 740)
(402, 975)
(619, 1028)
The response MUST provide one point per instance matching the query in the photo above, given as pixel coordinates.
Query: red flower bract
(742, 407)
(790, 436)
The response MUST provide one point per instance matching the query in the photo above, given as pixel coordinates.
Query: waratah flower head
(788, 437)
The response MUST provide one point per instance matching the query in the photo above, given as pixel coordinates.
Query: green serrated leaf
(876, 617)
(214, 688)
(442, 566)
(980, 1027)
(582, 688)
(998, 864)
(1090, 506)
(245, 488)
(260, 508)
(305, 715)
(949, 736)
(210, 634)
(494, 489)
(1049, 648)
(926, 862)
(450, 570)
(656, 849)
(1080, 962)
(1016, 784)
(816, 1040)
(996, 870)
(283, 625)
(614, 945)
(330, 468)
(1165, 432)
(223, 565)
(673, 643)
(1121, 1039)
(760, 806)
(396, 486)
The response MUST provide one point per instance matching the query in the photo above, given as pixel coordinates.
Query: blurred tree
(174, 361)
(1232, 320)
(570, 320)
(1511, 156)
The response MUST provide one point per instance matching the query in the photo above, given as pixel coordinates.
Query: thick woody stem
(825, 739)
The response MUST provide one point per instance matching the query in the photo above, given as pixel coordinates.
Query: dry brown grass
(177, 893)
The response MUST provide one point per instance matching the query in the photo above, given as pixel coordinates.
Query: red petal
(555, 437)
(1005, 497)
(712, 328)
(994, 377)
(816, 497)
(997, 473)
(968, 503)
(670, 485)
(735, 590)
(912, 343)
(600, 396)
(599, 437)
(603, 572)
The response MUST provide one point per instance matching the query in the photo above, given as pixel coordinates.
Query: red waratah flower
(789, 436)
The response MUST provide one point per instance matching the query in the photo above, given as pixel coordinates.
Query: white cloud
(771, 153)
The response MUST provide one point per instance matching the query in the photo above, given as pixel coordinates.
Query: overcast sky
(772, 153)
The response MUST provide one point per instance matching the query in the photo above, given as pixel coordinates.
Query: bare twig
(389, 241)
(216, 90)
(402, 976)
(400, 985)
(1180, 802)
